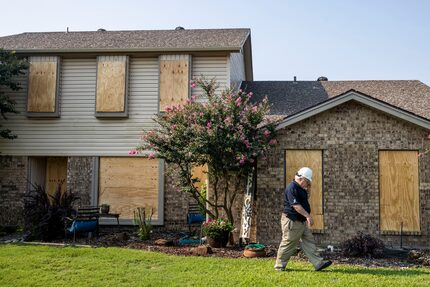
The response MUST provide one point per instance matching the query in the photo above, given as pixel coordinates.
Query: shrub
(44, 214)
(216, 228)
(363, 245)
(144, 222)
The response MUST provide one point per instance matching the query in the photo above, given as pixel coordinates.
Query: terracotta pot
(250, 253)
(218, 242)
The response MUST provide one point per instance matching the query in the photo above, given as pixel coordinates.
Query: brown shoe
(323, 265)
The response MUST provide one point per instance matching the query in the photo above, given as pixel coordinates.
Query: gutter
(122, 50)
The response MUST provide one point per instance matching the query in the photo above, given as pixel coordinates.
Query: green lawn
(22, 265)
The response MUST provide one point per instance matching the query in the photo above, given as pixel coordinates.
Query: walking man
(296, 216)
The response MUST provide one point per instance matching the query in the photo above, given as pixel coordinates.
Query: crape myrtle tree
(10, 67)
(226, 132)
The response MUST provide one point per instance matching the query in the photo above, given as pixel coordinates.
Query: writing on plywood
(56, 172)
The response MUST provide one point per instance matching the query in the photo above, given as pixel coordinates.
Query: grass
(22, 265)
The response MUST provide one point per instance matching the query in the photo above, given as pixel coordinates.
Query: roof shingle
(144, 40)
(289, 97)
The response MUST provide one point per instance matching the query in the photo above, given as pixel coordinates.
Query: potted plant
(217, 232)
(104, 208)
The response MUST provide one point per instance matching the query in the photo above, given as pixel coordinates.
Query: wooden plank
(42, 83)
(296, 159)
(399, 191)
(127, 183)
(174, 82)
(200, 172)
(56, 172)
(111, 85)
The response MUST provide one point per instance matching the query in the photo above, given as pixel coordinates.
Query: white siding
(210, 67)
(237, 70)
(77, 131)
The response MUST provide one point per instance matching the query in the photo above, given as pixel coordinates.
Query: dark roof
(289, 97)
(141, 40)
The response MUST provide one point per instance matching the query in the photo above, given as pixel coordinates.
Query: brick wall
(175, 201)
(80, 177)
(13, 185)
(350, 136)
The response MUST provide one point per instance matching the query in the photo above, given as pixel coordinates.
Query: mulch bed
(399, 259)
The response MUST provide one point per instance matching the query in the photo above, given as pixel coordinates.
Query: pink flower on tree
(273, 142)
(266, 133)
(420, 154)
(209, 125)
(238, 101)
(133, 151)
(193, 84)
(151, 155)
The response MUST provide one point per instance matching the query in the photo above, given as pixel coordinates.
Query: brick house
(87, 96)
(361, 138)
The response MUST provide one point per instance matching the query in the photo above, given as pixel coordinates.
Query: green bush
(144, 222)
(217, 228)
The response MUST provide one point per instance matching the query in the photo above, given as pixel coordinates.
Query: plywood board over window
(296, 159)
(111, 95)
(127, 183)
(56, 173)
(201, 173)
(399, 191)
(43, 81)
(174, 80)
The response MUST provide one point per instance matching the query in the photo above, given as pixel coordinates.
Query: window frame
(56, 113)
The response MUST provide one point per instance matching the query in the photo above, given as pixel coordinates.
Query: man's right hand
(310, 220)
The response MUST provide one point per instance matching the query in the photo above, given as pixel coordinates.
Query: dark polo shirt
(295, 194)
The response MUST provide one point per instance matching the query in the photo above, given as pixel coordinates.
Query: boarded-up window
(42, 86)
(127, 183)
(56, 173)
(174, 80)
(399, 192)
(111, 96)
(296, 159)
(201, 172)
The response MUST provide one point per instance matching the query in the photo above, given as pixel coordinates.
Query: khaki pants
(292, 233)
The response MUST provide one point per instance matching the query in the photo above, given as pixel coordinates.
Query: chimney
(295, 79)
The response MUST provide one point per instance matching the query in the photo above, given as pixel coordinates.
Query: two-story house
(85, 100)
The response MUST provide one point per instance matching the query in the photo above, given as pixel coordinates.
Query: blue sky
(342, 40)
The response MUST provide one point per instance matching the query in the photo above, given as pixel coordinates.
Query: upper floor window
(43, 82)
(112, 85)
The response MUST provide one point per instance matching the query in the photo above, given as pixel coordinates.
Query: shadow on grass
(378, 272)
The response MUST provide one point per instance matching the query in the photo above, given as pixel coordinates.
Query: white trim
(354, 96)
